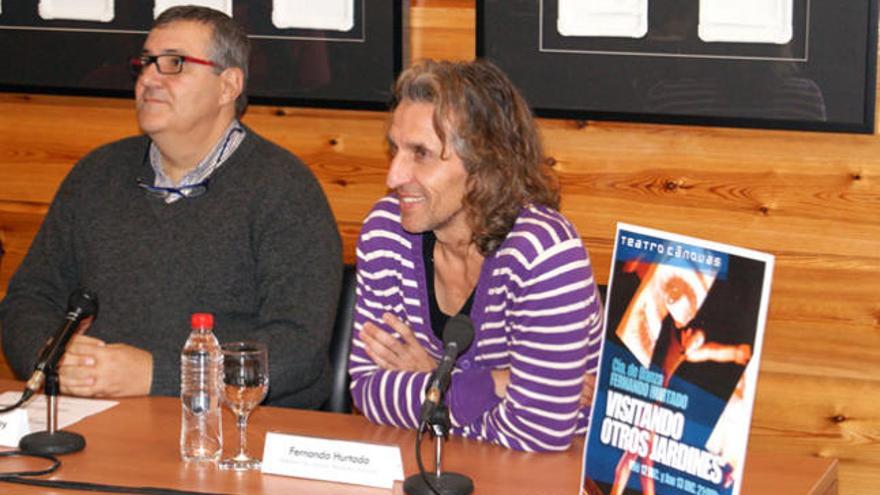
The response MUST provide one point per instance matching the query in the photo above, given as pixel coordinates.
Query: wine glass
(245, 383)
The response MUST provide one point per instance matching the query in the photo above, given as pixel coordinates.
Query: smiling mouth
(148, 96)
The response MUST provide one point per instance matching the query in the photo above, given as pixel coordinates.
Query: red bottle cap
(202, 320)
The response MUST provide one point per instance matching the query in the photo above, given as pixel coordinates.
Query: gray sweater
(260, 250)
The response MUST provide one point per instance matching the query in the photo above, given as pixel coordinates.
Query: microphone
(81, 304)
(457, 336)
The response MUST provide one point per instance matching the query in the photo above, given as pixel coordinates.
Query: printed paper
(746, 21)
(13, 426)
(614, 18)
(77, 10)
(336, 15)
(70, 410)
(327, 459)
(677, 377)
(224, 6)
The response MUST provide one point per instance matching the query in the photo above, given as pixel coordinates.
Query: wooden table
(136, 444)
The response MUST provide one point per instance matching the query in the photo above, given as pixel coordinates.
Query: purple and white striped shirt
(536, 313)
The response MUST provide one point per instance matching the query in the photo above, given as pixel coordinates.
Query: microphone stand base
(58, 443)
(445, 483)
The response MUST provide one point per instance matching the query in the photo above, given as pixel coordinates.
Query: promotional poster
(684, 322)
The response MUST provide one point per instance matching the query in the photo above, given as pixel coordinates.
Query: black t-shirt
(438, 317)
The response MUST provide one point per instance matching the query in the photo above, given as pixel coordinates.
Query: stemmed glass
(245, 383)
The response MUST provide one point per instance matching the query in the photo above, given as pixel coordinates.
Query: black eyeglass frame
(139, 63)
(186, 192)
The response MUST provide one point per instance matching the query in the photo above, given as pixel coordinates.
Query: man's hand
(501, 379)
(92, 368)
(390, 353)
(587, 390)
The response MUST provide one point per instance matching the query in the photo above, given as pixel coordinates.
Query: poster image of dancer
(684, 327)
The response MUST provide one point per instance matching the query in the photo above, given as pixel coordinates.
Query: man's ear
(232, 81)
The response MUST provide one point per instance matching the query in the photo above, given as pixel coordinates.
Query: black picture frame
(354, 69)
(823, 79)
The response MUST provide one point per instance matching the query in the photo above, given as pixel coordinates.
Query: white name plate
(13, 426)
(325, 459)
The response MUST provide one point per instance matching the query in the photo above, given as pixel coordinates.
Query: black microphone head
(460, 331)
(84, 302)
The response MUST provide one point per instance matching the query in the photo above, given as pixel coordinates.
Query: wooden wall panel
(442, 29)
(811, 199)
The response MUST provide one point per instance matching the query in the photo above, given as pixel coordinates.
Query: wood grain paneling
(811, 199)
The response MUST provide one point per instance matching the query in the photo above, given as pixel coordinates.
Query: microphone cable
(422, 427)
(25, 395)
(39, 472)
(25, 478)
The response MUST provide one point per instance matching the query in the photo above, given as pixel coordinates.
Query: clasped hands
(389, 353)
(93, 368)
(407, 354)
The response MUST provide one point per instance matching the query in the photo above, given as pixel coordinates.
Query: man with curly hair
(472, 226)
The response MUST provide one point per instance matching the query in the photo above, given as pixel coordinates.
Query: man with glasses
(200, 214)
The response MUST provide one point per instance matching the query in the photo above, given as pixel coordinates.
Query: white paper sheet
(340, 461)
(224, 6)
(615, 18)
(336, 15)
(746, 21)
(13, 426)
(77, 10)
(70, 410)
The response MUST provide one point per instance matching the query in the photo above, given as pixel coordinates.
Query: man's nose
(149, 74)
(399, 172)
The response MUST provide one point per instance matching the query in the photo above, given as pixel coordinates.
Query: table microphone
(81, 304)
(457, 337)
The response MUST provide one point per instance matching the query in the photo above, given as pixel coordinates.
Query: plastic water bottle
(201, 374)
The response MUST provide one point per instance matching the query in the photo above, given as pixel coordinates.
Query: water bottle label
(198, 403)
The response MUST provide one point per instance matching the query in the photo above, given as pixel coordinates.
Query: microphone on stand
(81, 304)
(457, 337)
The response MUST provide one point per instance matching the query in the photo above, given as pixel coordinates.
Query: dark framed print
(787, 64)
(322, 53)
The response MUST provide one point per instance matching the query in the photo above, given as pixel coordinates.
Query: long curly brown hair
(492, 130)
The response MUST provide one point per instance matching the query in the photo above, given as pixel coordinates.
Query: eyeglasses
(191, 191)
(167, 64)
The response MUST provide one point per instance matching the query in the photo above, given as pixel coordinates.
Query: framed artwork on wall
(785, 64)
(321, 53)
